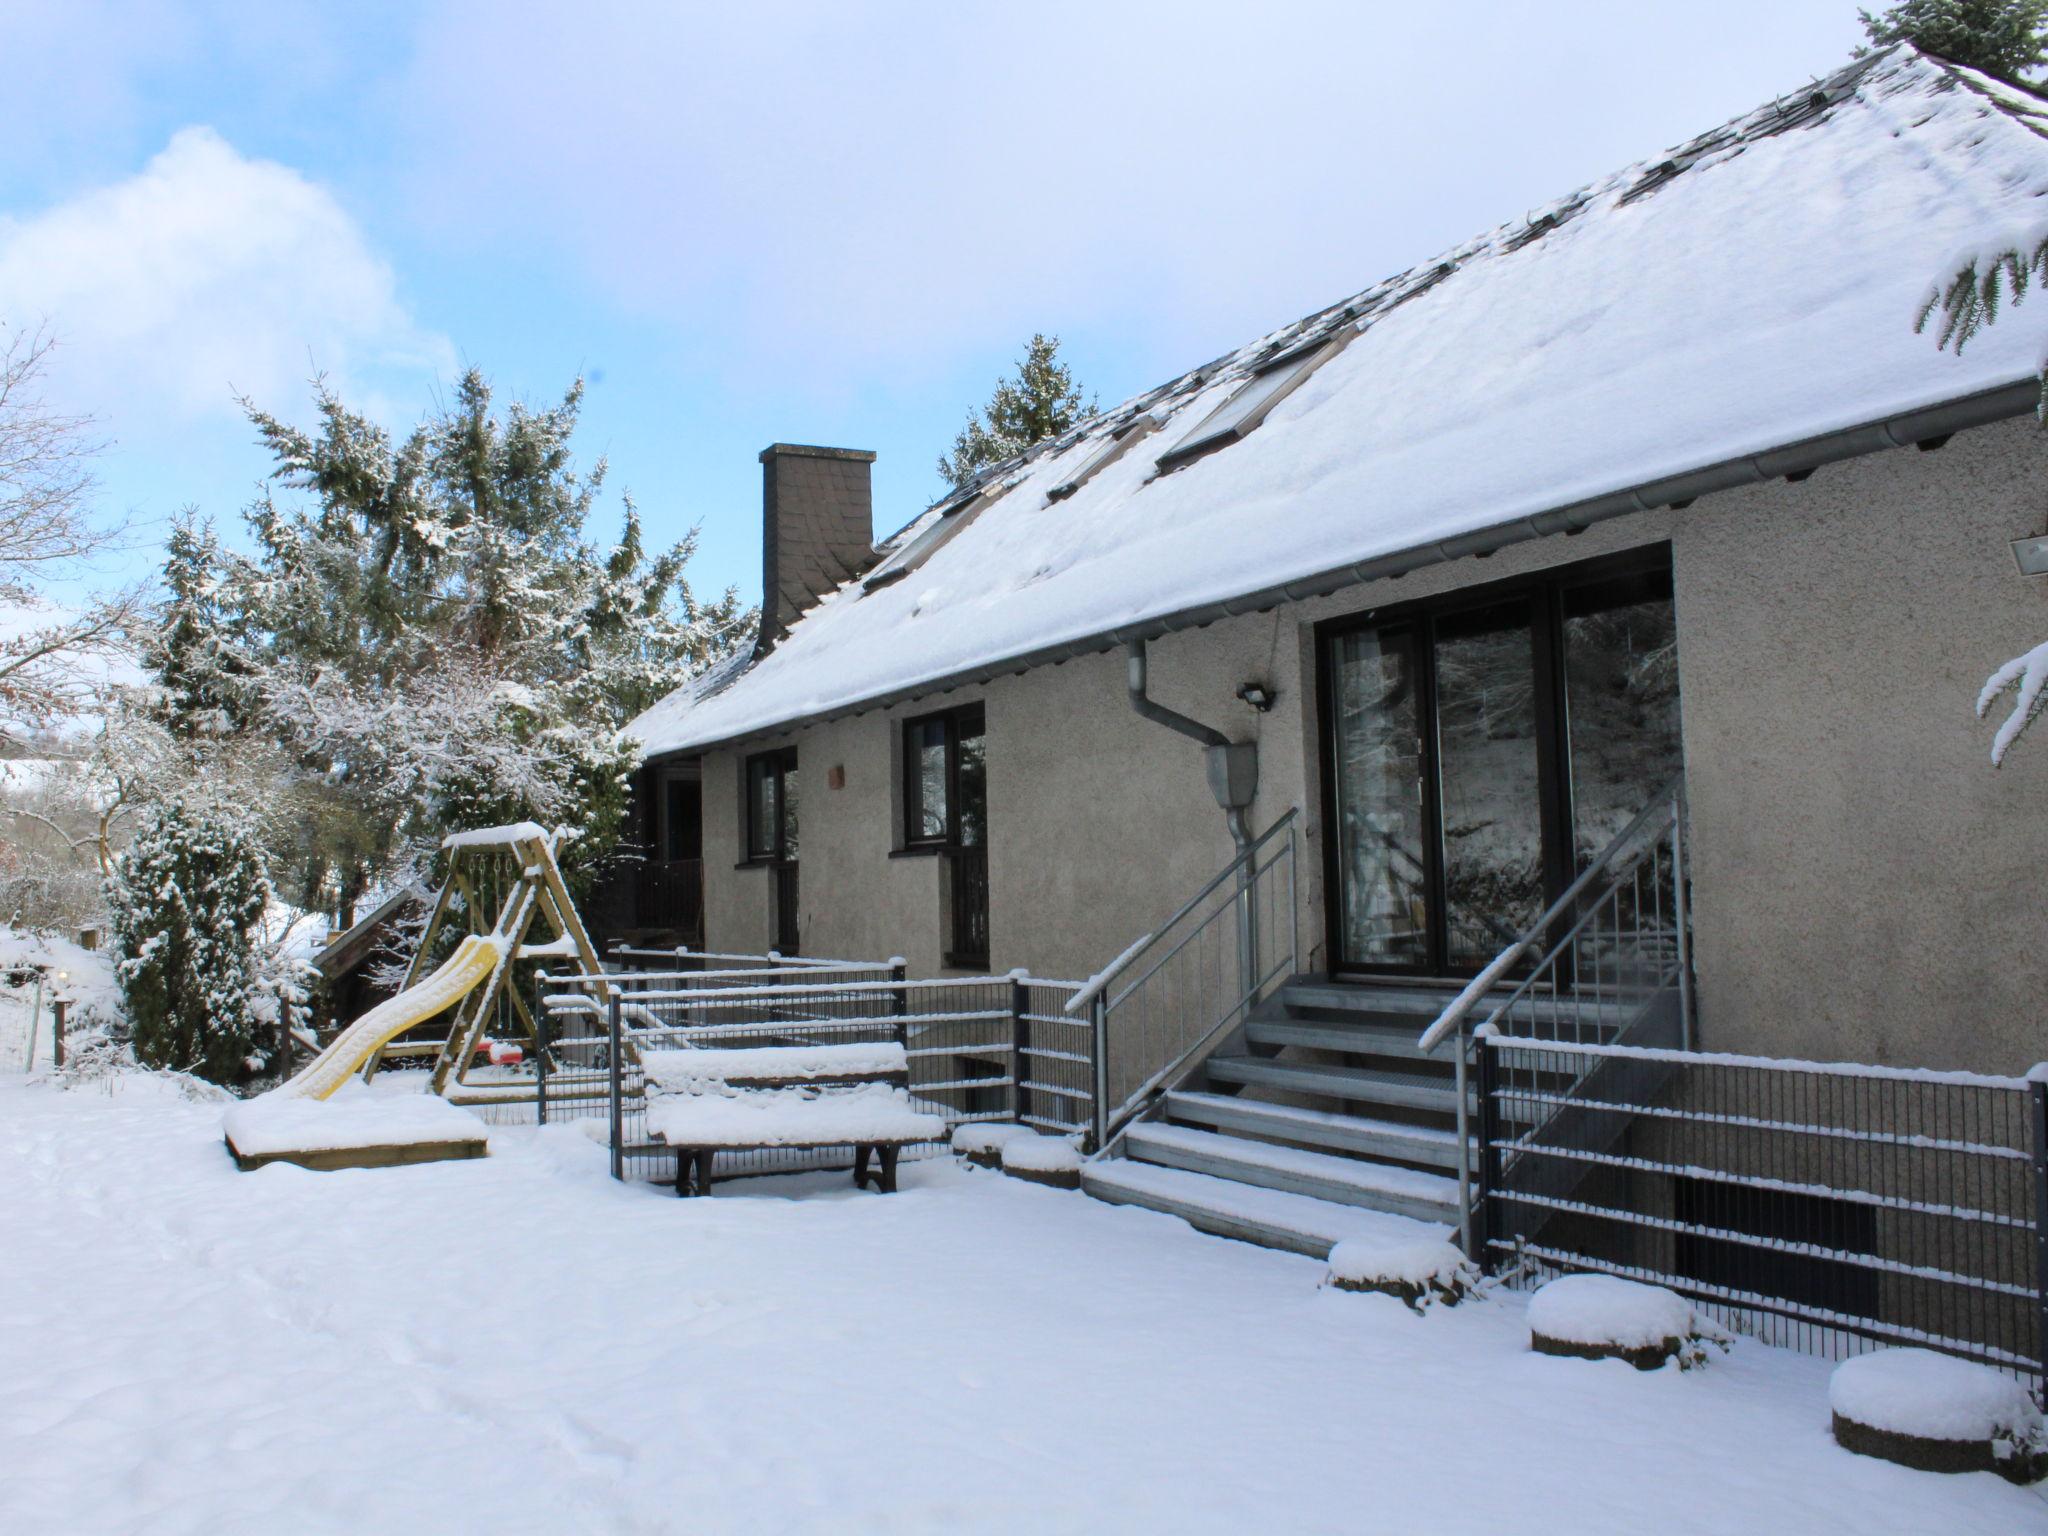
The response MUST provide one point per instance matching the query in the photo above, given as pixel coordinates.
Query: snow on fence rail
(979, 1048)
(1828, 1207)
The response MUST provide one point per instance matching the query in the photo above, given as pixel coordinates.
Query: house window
(945, 779)
(772, 806)
(771, 837)
(945, 809)
(683, 837)
(1107, 452)
(1243, 412)
(913, 550)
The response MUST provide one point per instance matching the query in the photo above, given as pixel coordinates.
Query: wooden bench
(785, 1098)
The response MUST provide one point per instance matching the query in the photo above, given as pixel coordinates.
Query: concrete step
(1292, 1170)
(1405, 1002)
(1387, 1000)
(1355, 1085)
(1361, 1037)
(1318, 1128)
(1268, 1217)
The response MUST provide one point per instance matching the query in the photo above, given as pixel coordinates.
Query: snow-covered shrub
(1937, 1413)
(1603, 1317)
(1421, 1272)
(188, 901)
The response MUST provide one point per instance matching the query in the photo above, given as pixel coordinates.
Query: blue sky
(814, 223)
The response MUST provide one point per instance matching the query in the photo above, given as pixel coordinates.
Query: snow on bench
(691, 1071)
(702, 1102)
(351, 1130)
(870, 1113)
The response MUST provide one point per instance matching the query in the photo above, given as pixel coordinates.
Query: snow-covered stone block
(1051, 1160)
(1419, 1270)
(356, 1129)
(1603, 1317)
(982, 1143)
(1938, 1414)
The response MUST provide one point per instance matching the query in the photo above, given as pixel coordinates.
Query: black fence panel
(1826, 1207)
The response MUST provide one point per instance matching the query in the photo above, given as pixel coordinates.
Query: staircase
(1295, 1111)
(1324, 1121)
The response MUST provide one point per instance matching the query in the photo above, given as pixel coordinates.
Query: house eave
(1924, 425)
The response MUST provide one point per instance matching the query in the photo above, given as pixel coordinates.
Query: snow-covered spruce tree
(430, 637)
(2005, 38)
(187, 901)
(1969, 299)
(1039, 401)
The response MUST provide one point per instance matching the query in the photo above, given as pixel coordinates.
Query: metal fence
(1823, 1207)
(979, 1048)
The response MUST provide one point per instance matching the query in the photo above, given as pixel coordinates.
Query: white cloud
(206, 275)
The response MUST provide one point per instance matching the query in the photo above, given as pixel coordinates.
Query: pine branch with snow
(2003, 38)
(1039, 401)
(2026, 676)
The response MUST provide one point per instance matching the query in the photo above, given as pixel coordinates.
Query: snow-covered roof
(1753, 288)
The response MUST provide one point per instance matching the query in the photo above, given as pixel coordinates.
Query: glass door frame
(1544, 592)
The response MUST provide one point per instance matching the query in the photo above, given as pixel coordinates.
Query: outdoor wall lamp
(1260, 697)
(2032, 555)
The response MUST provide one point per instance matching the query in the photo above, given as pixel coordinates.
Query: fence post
(1462, 1046)
(618, 1104)
(35, 1022)
(540, 1056)
(1020, 1051)
(1487, 1199)
(2038, 1090)
(59, 1006)
(1681, 915)
(899, 999)
(1098, 1036)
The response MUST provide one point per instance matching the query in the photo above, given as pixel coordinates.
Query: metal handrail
(1622, 856)
(1109, 990)
(1532, 937)
(1099, 982)
(1121, 1116)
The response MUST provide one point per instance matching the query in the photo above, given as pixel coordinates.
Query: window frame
(781, 765)
(1296, 365)
(950, 722)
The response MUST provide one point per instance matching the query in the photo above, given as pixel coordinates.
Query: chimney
(817, 529)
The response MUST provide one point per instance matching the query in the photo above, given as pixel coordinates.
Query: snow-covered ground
(519, 1344)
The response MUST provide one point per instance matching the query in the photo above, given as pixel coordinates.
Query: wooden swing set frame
(511, 869)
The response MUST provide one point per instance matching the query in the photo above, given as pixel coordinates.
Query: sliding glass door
(1481, 749)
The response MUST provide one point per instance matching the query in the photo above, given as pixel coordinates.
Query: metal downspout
(1233, 779)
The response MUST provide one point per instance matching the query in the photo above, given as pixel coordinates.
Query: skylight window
(1112, 448)
(913, 553)
(1241, 414)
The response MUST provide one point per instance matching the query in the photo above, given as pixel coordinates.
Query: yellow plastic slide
(465, 970)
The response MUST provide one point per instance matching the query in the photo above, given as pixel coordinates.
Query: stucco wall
(1866, 886)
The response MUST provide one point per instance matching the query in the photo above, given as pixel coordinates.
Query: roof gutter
(1929, 426)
